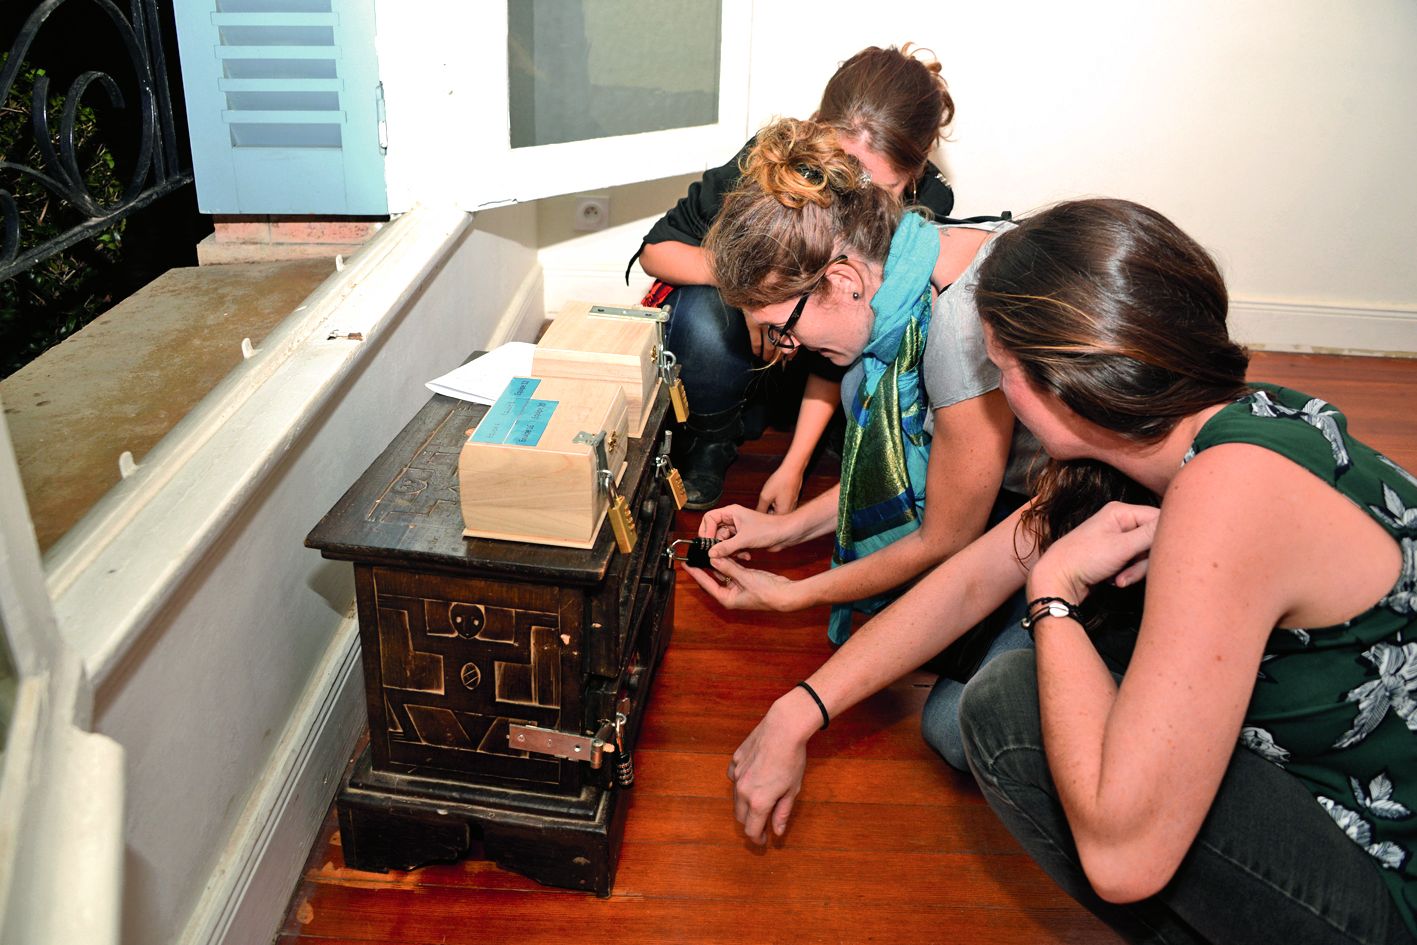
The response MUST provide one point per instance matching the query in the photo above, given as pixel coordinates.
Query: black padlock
(696, 555)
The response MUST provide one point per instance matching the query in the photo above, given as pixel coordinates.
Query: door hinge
(383, 118)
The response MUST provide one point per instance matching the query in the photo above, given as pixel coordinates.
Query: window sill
(114, 570)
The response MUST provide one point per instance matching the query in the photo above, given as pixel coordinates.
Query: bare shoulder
(1266, 521)
(958, 247)
(1245, 484)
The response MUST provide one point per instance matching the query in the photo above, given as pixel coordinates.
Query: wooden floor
(887, 844)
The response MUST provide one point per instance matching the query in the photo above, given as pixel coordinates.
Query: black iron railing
(139, 93)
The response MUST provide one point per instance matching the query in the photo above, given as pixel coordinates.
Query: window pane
(602, 68)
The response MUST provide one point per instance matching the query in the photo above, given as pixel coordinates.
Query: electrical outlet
(592, 212)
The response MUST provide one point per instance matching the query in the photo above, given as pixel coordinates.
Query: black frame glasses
(780, 336)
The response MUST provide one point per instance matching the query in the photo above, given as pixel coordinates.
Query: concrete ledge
(124, 380)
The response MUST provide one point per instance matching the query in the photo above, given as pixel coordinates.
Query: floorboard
(887, 844)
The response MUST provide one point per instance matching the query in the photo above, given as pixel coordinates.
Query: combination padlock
(696, 555)
(671, 476)
(622, 523)
(680, 399)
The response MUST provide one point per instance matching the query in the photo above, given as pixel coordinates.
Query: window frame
(501, 175)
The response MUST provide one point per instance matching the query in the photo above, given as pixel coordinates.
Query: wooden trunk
(583, 345)
(531, 470)
(476, 652)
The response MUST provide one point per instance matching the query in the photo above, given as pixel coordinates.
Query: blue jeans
(1269, 865)
(939, 722)
(711, 343)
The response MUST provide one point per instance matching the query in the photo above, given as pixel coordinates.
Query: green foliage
(56, 297)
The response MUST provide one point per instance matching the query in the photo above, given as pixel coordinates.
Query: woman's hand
(736, 529)
(1112, 544)
(780, 492)
(740, 588)
(767, 768)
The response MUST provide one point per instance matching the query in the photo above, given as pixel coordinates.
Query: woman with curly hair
(888, 107)
(823, 260)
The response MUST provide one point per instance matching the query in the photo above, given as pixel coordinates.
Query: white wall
(221, 696)
(1279, 133)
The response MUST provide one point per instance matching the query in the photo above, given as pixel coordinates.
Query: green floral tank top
(1337, 706)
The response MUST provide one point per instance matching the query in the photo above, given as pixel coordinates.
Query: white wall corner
(1324, 329)
(594, 271)
(246, 897)
(525, 311)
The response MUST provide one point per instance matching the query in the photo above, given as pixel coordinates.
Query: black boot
(710, 447)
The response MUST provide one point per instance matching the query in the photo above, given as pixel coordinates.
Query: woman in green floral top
(1253, 775)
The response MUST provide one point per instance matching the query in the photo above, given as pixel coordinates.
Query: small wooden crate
(583, 345)
(531, 470)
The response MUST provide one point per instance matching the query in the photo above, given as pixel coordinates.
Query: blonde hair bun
(800, 162)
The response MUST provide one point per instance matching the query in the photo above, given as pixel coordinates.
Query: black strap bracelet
(826, 719)
(1041, 607)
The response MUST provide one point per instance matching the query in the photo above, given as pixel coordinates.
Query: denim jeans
(711, 343)
(1268, 865)
(939, 721)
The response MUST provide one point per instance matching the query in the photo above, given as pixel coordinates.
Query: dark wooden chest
(506, 682)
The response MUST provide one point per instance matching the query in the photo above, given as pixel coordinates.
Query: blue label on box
(516, 418)
(532, 423)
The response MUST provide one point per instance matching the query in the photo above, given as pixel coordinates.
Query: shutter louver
(282, 105)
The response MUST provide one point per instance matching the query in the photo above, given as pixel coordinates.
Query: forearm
(1076, 694)
(819, 402)
(677, 263)
(926, 619)
(815, 517)
(891, 567)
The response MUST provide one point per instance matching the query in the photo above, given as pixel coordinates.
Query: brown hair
(800, 202)
(896, 104)
(1110, 307)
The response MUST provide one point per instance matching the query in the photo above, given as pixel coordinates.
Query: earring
(855, 295)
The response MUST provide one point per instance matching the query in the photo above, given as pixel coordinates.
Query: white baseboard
(246, 897)
(592, 284)
(525, 311)
(1324, 329)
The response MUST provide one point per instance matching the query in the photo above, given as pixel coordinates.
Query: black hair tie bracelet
(1041, 607)
(826, 719)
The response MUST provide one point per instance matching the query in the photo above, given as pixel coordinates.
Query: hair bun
(800, 162)
(812, 175)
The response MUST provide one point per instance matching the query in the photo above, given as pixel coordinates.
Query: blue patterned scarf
(886, 449)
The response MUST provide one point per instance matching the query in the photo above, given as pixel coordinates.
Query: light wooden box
(523, 474)
(583, 345)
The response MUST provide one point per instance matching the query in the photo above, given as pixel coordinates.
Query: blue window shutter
(284, 106)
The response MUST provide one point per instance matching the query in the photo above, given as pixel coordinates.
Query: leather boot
(711, 447)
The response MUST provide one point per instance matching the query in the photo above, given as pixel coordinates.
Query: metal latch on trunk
(665, 362)
(568, 745)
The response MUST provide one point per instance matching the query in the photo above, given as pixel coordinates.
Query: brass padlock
(622, 523)
(676, 487)
(680, 400)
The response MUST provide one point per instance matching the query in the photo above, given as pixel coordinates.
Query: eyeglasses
(780, 336)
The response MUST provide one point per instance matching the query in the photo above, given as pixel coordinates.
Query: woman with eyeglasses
(1248, 771)
(824, 261)
(888, 107)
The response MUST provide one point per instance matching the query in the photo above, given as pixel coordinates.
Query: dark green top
(1337, 706)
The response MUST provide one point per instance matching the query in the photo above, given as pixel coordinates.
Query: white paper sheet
(482, 379)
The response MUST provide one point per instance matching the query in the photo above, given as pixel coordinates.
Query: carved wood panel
(457, 662)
